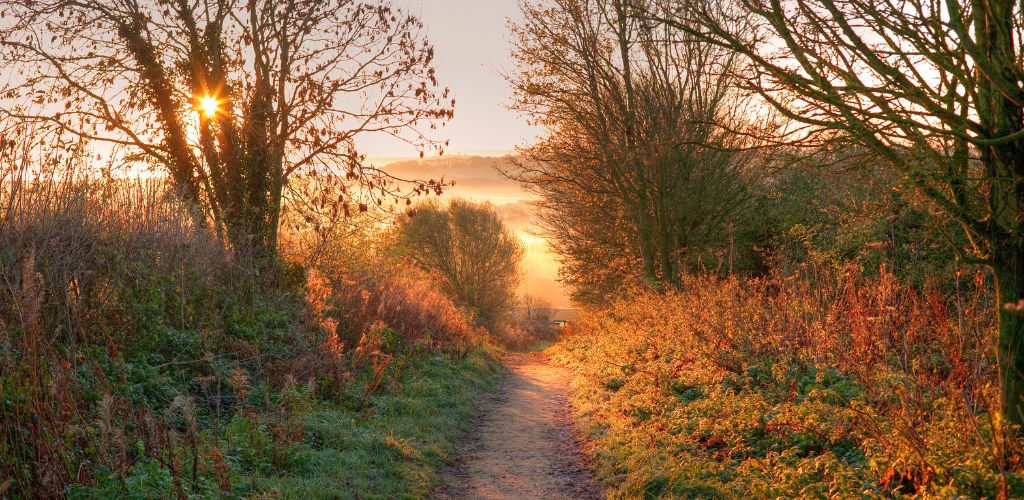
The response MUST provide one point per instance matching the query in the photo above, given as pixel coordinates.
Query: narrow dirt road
(523, 446)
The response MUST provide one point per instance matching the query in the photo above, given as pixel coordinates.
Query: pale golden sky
(471, 41)
(472, 52)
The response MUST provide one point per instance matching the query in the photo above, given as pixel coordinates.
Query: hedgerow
(818, 384)
(141, 357)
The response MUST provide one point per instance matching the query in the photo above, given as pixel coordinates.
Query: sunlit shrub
(817, 384)
(140, 356)
(401, 308)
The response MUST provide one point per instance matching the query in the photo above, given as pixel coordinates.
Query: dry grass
(137, 353)
(819, 384)
(75, 249)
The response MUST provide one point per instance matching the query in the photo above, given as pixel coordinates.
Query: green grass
(395, 446)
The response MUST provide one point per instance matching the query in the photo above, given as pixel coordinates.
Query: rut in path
(523, 446)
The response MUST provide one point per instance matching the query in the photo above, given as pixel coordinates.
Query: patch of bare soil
(523, 445)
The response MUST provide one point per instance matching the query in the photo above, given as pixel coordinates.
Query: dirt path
(523, 446)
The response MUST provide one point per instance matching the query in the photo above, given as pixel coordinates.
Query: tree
(637, 166)
(535, 308)
(935, 88)
(474, 256)
(231, 98)
(533, 320)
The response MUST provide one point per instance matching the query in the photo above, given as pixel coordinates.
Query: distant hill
(474, 176)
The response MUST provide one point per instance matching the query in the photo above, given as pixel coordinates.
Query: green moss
(394, 447)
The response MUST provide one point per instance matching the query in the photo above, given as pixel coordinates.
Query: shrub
(403, 307)
(469, 252)
(139, 357)
(817, 384)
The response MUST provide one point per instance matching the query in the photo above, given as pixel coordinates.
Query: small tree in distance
(471, 252)
(535, 308)
(533, 320)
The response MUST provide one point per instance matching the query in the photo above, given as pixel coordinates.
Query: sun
(208, 105)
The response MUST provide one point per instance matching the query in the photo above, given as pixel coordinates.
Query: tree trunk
(1008, 267)
(646, 247)
(1001, 116)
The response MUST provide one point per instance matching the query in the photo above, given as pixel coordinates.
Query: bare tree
(535, 308)
(471, 251)
(231, 98)
(935, 88)
(635, 112)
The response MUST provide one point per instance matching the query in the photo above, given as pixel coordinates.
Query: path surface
(523, 446)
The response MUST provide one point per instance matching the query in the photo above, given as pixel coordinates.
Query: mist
(479, 178)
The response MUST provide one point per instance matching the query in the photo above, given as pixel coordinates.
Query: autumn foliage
(818, 384)
(138, 355)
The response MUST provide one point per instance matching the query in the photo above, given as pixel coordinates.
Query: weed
(804, 386)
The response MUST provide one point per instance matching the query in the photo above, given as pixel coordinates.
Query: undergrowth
(393, 447)
(140, 357)
(823, 384)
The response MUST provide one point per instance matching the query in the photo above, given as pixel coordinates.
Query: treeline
(660, 161)
(757, 170)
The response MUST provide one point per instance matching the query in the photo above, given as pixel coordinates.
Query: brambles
(820, 384)
(139, 356)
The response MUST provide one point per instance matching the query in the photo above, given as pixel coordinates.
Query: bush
(469, 252)
(405, 307)
(819, 384)
(139, 357)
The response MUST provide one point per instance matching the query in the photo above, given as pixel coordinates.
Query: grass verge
(395, 446)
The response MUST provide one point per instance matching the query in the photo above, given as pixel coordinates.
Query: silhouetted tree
(231, 98)
(473, 254)
(639, 165)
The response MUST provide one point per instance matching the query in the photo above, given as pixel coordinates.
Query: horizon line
(494, 153)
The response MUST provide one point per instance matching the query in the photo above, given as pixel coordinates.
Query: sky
(472, 51)
(477, 179)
